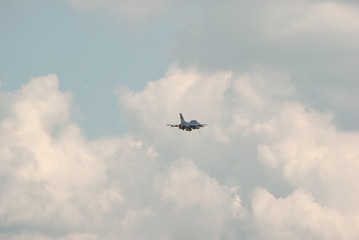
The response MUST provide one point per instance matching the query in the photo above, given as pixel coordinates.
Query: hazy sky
(88, 86)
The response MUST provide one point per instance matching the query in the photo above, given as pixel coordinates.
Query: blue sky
(92, 54)
(87, 88)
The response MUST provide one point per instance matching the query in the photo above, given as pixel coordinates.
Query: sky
(87, 88)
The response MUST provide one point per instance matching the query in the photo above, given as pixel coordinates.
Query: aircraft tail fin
(182, 119)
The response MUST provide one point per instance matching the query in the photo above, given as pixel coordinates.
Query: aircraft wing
(172, 125)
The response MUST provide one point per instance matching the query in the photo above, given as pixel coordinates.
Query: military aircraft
(188, 126)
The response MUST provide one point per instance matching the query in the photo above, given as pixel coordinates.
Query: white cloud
(178, 91)
(229, 104)
(58, 185)
(141, 187)
(254, 112)
(47, 163)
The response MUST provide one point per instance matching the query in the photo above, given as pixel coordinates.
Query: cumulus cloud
(230, 104)
(47, 163)
(257, 123)
(55, 184)
(266, 167)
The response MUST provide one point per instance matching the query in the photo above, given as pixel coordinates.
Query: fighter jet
(188, 126)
